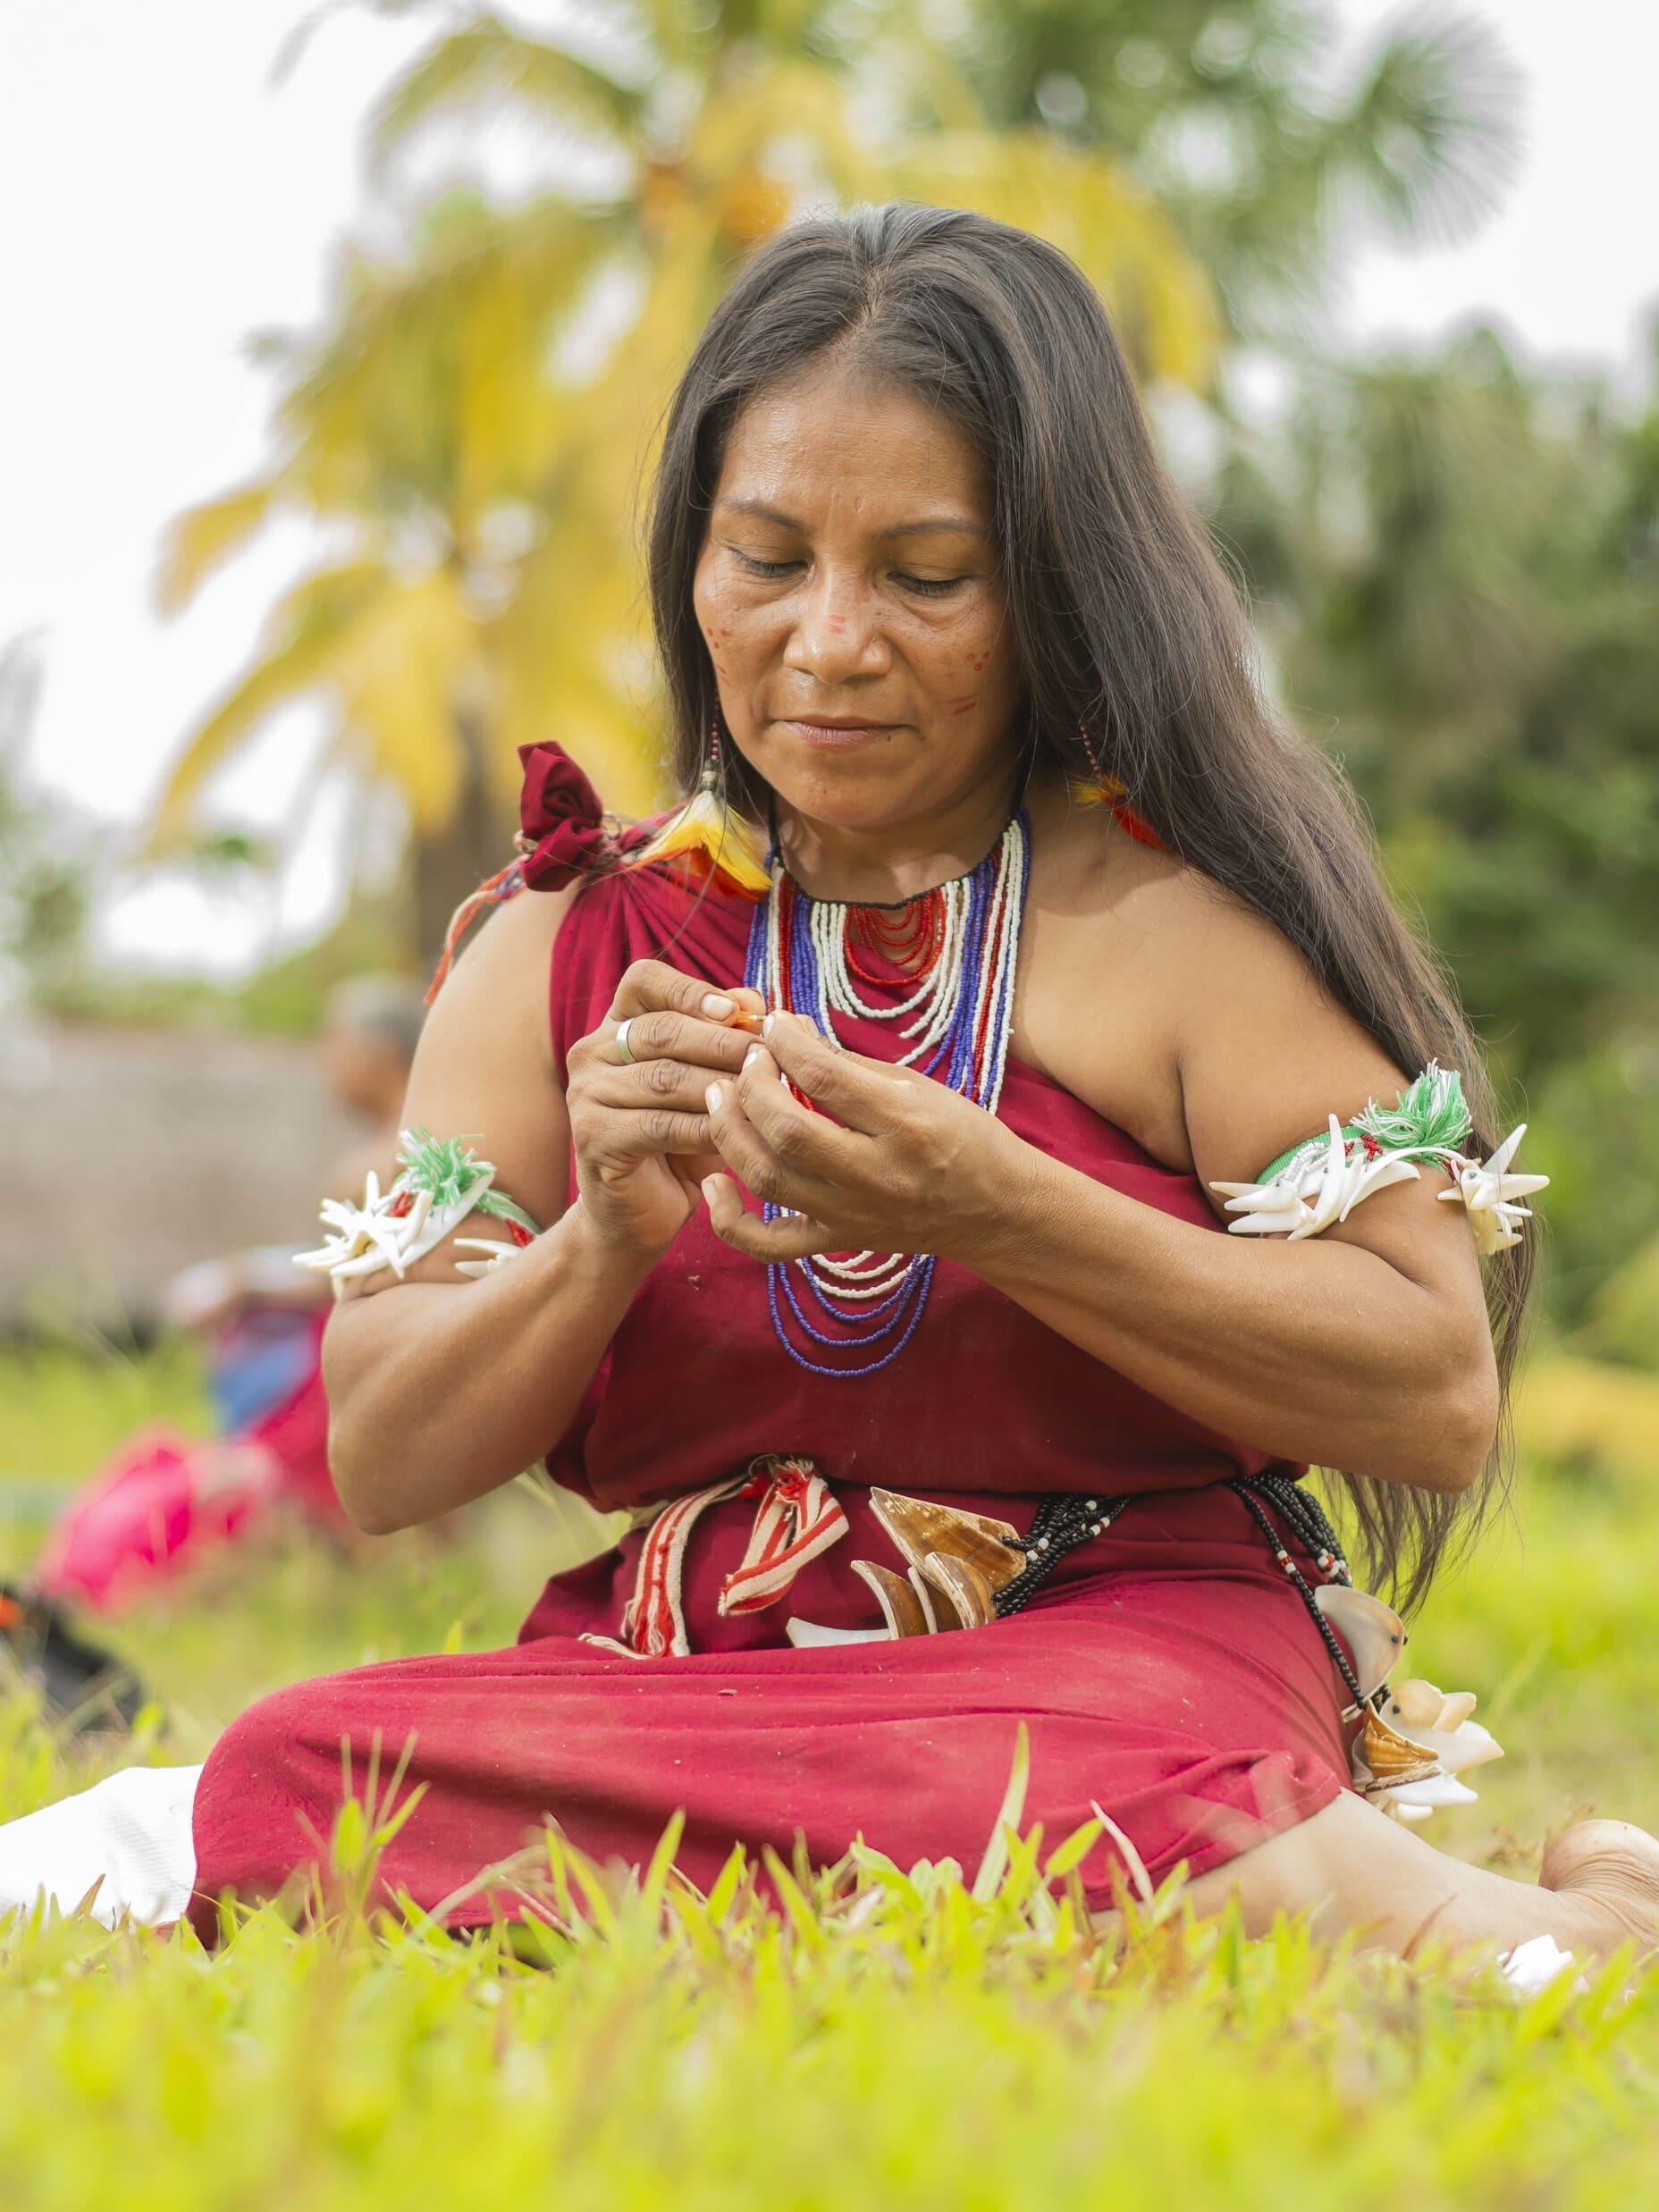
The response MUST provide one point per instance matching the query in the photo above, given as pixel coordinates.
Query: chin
(843, 802)
(864, 789)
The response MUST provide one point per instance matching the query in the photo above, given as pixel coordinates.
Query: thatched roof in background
(129, 1153)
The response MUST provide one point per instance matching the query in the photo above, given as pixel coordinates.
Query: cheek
(969, 665)
(734, 638)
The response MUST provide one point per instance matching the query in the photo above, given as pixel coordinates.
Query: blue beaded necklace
(946, 961)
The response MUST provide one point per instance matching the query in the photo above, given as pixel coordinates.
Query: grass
(892, 2040)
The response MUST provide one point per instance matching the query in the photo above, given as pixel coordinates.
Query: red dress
(1168, 1669)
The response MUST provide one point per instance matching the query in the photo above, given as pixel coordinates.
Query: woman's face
(849, 594)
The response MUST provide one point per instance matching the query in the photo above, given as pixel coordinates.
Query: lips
(829, 736)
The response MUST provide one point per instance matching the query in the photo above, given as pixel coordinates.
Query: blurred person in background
(169, 1500)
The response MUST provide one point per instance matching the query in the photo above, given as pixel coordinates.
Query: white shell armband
(1322, 1180)
(441, 1181)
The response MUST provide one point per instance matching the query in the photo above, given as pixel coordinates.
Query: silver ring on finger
(623, 1054)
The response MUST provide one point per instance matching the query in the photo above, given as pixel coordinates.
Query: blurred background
(338, 338)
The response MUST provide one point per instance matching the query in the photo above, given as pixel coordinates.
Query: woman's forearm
(441, 1391)
(1315, 1350)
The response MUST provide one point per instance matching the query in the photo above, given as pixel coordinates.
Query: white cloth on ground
(130, 1833)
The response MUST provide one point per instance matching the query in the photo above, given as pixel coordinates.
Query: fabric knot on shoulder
(564, 832)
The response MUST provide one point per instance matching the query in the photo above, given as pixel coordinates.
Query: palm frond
(413, 660)
(204, 537)
(486, 63)
(308, 633)
(1164, 304)
(1429, 137)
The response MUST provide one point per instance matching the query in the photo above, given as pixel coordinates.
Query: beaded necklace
(950, 954)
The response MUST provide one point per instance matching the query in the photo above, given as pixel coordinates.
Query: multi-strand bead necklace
(945, 961)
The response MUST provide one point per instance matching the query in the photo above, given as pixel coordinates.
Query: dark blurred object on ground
(84, 1687)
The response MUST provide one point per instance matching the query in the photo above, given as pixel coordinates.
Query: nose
(837, 634)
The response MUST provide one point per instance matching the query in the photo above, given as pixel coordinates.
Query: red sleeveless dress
(1168, 1670)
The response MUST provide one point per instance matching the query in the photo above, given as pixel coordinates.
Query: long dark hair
(1127, 626)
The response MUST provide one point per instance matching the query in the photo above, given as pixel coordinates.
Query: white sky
(161, 199)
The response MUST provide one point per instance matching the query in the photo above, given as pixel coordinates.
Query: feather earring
(1105, 790)
(708, 836)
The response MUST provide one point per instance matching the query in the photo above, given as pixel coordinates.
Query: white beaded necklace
(803, 957)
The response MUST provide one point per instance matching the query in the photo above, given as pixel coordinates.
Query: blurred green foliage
(1456, 567)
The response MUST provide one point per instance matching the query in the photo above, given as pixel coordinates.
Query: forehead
(832, 444)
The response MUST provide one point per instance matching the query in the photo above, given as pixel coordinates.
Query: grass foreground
(927, 2037)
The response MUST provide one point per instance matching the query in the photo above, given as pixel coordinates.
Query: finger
(648, 1083)
(857, 1091)
(693, 1169)
(808, 1142)
(661, 1034)
(752, 1160)
(645, 1135)
(751, 1009)
(649, 985)
(790, 1238)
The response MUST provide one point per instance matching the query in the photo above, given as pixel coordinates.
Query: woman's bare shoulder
(484, 1065)
(1265, 1048)
(1213, 942)
(499, 975)
(1101, 978)
(1184, 980)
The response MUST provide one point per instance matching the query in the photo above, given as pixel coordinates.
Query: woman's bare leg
(1356, 1870)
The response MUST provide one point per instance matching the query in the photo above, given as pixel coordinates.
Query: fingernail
(712, 1096)
(753, 1052)
(717, 1006)
(766, 1026)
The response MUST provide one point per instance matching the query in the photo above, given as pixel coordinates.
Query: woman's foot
(1612, 1870)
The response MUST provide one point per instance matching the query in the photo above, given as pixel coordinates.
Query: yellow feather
(704, 830)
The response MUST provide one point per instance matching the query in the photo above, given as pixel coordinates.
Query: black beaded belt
(1064, 1519)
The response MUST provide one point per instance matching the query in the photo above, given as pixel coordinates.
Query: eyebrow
(761, 512)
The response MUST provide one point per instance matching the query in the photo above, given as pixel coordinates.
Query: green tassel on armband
(441, 1181)
(1321, 1179)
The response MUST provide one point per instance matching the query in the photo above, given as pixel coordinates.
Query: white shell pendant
(1439, 1721)
(1490, 1195)
(808, 1635)
(1373, 1632)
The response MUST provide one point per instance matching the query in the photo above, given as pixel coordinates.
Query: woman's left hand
(894, 1162)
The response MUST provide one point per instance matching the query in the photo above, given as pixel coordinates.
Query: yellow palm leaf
(487, 62)
(1162, 300)
(412, 665)
(202, 538)
(308, 634)
(572, 663)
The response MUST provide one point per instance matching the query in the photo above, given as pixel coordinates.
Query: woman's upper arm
(1266, 1055)
(483, 1071)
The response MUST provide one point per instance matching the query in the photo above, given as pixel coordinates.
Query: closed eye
(930, 587)
(758, 567)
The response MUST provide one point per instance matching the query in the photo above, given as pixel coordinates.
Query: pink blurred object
(168, 1501)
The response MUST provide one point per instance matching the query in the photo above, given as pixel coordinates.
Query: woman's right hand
(640, 1126)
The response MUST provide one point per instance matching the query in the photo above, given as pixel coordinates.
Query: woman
(923, 591)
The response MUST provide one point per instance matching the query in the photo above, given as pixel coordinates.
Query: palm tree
(422, 431)
(1265, 150)
(457, 429)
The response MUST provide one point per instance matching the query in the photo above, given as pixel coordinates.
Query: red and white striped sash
(797, 1518)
